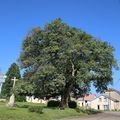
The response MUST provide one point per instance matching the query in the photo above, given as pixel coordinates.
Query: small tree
(13, 71)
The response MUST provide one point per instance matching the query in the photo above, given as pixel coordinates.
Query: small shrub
(31, 109)
(81, 109)
(22, 106)
(53, 103)
(72, 104)
(88, 111)
(78, 110)
(21, 98)
(3, 100)
(37, 109)
(62, 108)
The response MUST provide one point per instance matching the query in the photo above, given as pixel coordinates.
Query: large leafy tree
(12, 72)
(59, 57)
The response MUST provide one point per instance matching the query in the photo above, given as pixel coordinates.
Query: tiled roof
(112, 89)
(87, 97)
(109, 97)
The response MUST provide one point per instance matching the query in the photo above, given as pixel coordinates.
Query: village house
(104, 102)
(32, 99)
(110, 100)
(85, 101)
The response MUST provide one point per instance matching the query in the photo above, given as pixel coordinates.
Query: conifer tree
(12, 72)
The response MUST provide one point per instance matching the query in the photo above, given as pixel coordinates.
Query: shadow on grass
(88, 111)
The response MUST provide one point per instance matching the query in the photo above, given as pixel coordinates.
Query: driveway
(100, 116)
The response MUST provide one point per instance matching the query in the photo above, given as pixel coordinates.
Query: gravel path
(100, 116)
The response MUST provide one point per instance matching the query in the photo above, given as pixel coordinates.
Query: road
(100, 116)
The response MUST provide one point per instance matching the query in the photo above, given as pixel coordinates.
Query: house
(85, 101)
(104, 102)
(110, 100)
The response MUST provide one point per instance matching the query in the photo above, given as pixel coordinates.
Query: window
(100, 99)
(106, 107)
(82, 104)
(105, 99)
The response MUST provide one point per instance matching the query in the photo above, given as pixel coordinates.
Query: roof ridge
(110, 97)
(115, 90)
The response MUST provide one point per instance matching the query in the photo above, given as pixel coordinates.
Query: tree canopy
(59, 57)
(12, 72)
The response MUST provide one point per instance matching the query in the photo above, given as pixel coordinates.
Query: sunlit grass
(20, 113)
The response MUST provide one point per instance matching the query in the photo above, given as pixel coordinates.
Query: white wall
(83, 103)
(102, 101)
(35, 100)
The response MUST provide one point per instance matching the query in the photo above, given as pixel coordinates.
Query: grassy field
(20, 113)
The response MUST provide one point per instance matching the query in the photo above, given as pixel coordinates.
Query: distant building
(104, 102)
(32, 99)
(2, 80)
(85, 101)
(110, 100)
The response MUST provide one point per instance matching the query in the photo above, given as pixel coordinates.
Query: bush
(20, 98)
(88, 111)
(31, 109)
(72, 104)
(53, 103)
(37, 109)
(22, 106)
(3, 100)
(82, 109)
(78, 110)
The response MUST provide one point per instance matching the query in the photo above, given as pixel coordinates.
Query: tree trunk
(65, 97)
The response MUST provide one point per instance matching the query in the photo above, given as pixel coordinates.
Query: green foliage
(59, 56)
(88, 110)
(23, 88)
(37, 109)
(53, 103)
(21, 98)
(72, 104)
(22, 106)
(12, 72)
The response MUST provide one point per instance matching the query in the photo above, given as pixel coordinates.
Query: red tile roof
(89, 97)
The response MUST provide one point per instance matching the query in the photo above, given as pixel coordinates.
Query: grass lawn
(23, 113)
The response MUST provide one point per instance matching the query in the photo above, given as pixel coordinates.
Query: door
(98, 107)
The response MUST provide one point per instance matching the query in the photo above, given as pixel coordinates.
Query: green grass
(20, 113)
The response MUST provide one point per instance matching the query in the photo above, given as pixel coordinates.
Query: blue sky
(101, 18)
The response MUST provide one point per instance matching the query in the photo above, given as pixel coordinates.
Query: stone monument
(11, 102)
